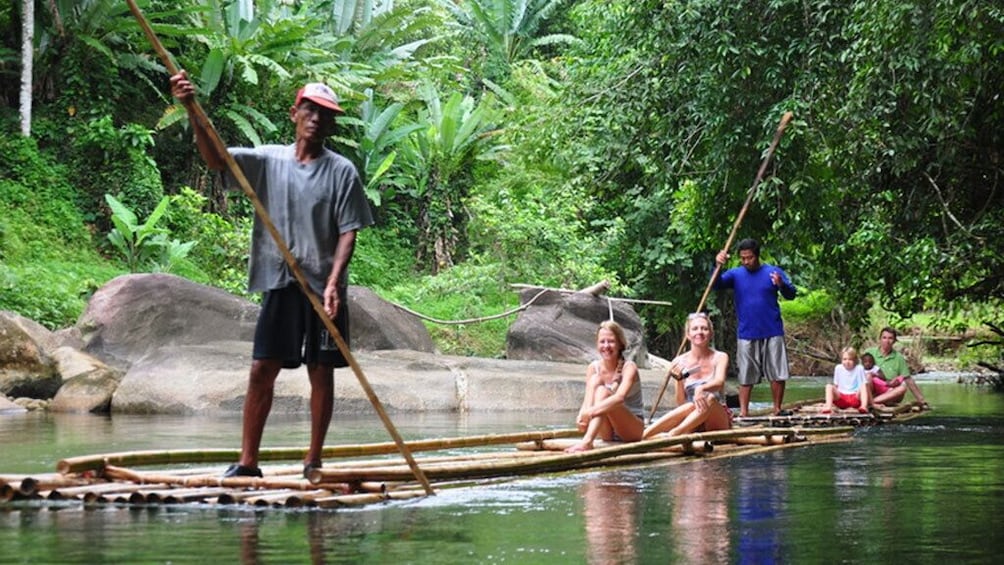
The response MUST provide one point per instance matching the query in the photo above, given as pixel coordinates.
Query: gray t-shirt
(310, 204)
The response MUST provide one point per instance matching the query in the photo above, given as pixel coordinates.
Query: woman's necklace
(614, 376)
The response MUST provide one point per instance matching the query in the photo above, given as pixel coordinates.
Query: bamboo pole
(121, 474)
(84, 490)
(558, 445)
(180, 496)
(785, 119)
(195, 109)
(242, 496)
(97, 462)
(101, 496)
(542, 464)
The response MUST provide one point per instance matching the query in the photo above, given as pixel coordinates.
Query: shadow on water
(925, 491)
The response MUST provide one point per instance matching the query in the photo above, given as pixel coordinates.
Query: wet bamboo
(291, 498)
(29, 485)
(121, 474)
(555, 445)
(195, 109)
(180, 495)
(94, 488)
(429, 460)
(98, 461)
(537, 465)
(763, 440)
(235, 496)
(351, 500)
(101, 496)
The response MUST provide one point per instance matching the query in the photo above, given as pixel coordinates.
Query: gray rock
(8, 406)
(376, 324)
(88, 383)
(562, 327)
(25, 368)
(402, 380)
(134, 315)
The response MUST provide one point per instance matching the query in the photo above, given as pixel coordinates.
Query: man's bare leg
(322, 402)
(777, 393)
(257, 405)
(744, 399)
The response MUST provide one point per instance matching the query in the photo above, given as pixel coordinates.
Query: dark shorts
(289, 330)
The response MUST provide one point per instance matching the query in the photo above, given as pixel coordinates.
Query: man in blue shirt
(760, 351)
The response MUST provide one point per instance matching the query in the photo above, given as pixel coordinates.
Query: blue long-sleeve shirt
(757, 309)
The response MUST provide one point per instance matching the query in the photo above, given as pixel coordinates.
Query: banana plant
(247, 48)
(372, 145)
(144, 244)
(436, 160)
(509, 30)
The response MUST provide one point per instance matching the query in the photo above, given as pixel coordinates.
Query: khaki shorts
(758, 359)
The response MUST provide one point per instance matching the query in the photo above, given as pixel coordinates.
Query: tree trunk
(27, 56)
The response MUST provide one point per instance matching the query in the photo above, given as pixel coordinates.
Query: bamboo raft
(809, 414)
(362, 474)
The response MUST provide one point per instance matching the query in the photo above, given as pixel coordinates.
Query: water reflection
(610, 511)
(761, 504)
(700, 518)
(927, 490)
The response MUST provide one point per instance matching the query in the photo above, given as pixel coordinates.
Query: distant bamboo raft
(808, 414)
(364, 474)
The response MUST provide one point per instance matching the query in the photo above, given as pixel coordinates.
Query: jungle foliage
(551, 142)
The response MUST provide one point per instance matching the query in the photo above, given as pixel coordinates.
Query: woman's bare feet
(579, 447)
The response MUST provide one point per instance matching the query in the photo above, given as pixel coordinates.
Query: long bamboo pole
(548, 463)
(195, 109)
(96, 462)
(785, 119)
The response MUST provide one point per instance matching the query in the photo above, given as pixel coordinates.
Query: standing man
(890, 383)
(760, 351)
(316, 199)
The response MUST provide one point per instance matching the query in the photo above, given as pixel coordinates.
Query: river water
(930, 490)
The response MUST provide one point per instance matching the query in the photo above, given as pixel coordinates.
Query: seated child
(849, 388)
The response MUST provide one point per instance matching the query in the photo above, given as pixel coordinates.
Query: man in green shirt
(890, 378)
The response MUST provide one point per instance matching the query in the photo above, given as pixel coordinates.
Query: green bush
(384, 258)
(49, 268)
(37, 203)
(813, 305)
(53, 292)
(220, 254)
(465, 292)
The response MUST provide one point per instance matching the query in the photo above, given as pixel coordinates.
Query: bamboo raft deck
(808, 414)
(356, 475)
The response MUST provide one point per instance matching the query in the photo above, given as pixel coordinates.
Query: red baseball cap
(320, 94)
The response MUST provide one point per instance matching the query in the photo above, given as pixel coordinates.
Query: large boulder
(403, 381)
(25, 368)
(376, 324)
(134, 315)
(561, 326)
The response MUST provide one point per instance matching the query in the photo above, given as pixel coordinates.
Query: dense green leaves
(558, 143)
